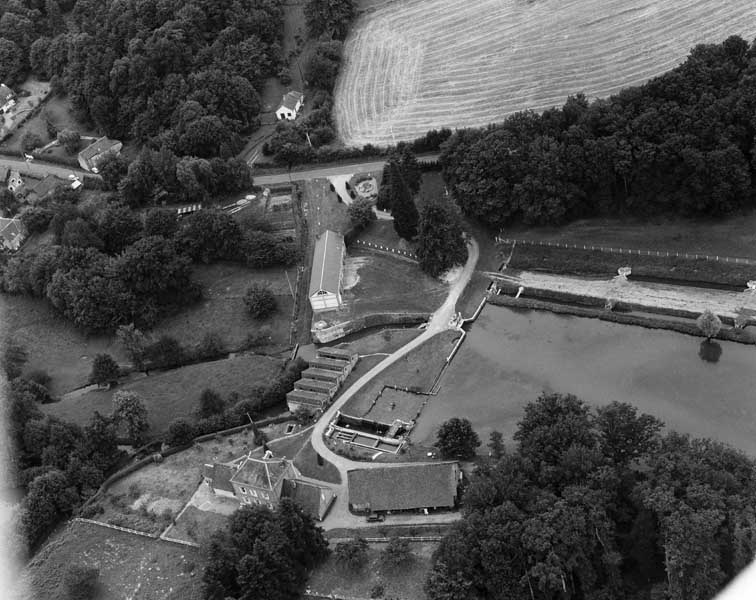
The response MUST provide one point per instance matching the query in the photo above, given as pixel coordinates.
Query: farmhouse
(265, 481)
(91, 156)
(327, 272)
(416, 486)
(12, 233)
(45, 188)
(7, 98)
(290, 106)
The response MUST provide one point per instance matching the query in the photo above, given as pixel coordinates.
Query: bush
(37, 219)
(360, 213)
(30, 141)
(210, 403)
(352, 555)
(260, 301)
(211, 346)
(40, 377)
(284, 76)
(259, 337)
(80, 582)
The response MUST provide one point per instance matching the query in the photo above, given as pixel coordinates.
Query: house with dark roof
(320, 382)
(7, 98)
(323, 375)
(416, 486)
(290, 106)
(218, 477)
(12, 233)
(93, 154)
(315, 500)
(265, 481)
(327, 272)
(310, 401)
(45, 188)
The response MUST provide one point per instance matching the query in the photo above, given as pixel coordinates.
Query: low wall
(335, 332)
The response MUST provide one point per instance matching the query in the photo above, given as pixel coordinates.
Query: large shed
(327, 272)
(407, 487)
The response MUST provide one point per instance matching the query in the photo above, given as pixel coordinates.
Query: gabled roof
(315, 385)
(98, 147)
(326, 263)
(12, 231)
(47, 185)
(313, 499)
(419, 485)
(335, 364)
(220, 476)
(260, 473)
(324, 374)
(291, 98)
(5, 93)
(308, 398)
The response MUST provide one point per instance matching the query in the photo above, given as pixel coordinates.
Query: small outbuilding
(290, 106)
(327, 272)
(12, 233)
(92, 155)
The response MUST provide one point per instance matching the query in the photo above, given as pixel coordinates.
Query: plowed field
(415, 65)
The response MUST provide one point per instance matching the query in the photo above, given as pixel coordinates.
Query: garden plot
(423, 64)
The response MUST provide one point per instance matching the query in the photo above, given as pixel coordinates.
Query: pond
(510, 356)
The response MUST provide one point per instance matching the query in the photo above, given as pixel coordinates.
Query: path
(37, 168)
(323, 172)
(339, 516)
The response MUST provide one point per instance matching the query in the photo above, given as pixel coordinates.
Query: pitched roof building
(313, 499)
(327, 271)
(45, 187)
(7, 97)
(290, 105)
(406, 487)
(91, 156)
(12, 233)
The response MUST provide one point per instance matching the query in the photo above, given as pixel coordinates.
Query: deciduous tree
(457, 439)
(440, 242)
(105, 370)
(129, 411)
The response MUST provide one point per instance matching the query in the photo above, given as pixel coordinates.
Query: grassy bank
(596, 262)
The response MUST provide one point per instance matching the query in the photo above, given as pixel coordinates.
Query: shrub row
(651, 322)
(595, 262)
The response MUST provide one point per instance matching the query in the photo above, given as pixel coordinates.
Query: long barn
(327, 272)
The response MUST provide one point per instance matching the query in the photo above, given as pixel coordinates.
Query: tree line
(681, 144)
(109, 266)
(599, 504)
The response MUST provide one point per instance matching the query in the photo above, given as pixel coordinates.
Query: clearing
(175, 393)
(131, 566)
(424, 64)
(405, 582)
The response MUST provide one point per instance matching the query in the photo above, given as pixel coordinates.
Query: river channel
(510, 356)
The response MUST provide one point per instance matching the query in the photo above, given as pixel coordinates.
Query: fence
(381, 248)
(628, 251)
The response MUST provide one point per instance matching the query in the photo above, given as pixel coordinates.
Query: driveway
(40, 169)
(339, 515)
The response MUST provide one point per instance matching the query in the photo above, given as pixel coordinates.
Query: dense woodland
(681, 144)
(599, 505)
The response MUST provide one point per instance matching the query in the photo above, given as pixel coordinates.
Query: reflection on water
(510, 357)
(710, 351)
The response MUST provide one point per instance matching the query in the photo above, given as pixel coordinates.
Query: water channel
(510, 356)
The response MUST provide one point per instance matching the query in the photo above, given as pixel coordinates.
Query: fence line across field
(628, 251)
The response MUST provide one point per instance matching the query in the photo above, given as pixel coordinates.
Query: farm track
(424, 64)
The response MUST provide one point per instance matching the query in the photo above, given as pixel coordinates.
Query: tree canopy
(600, 504)
(440, 241)
(680, 144)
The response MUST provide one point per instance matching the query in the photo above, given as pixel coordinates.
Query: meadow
(424, 64)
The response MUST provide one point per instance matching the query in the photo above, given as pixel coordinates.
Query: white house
(327, 272)
(290, 106)
(7, 98)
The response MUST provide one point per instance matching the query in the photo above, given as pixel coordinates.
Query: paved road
(322, 172)
(339, 515)
(37, 168)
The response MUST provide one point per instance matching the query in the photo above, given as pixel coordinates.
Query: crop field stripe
(424, 64)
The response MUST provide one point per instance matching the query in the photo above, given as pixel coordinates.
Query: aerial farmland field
(416, 65)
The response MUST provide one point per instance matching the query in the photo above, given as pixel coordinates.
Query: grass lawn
(196, 525)
(382, 232)
(734, 236)
(418, 369)
(307, 463)
(222, 309)
(375, 283)
(53, 344)
(385, 340)
(323, 209)
(405, 583)
(175, 393)
(130, 566)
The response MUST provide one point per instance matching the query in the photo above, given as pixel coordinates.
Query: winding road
(339, 516)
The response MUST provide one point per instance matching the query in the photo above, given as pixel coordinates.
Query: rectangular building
(327, 272)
